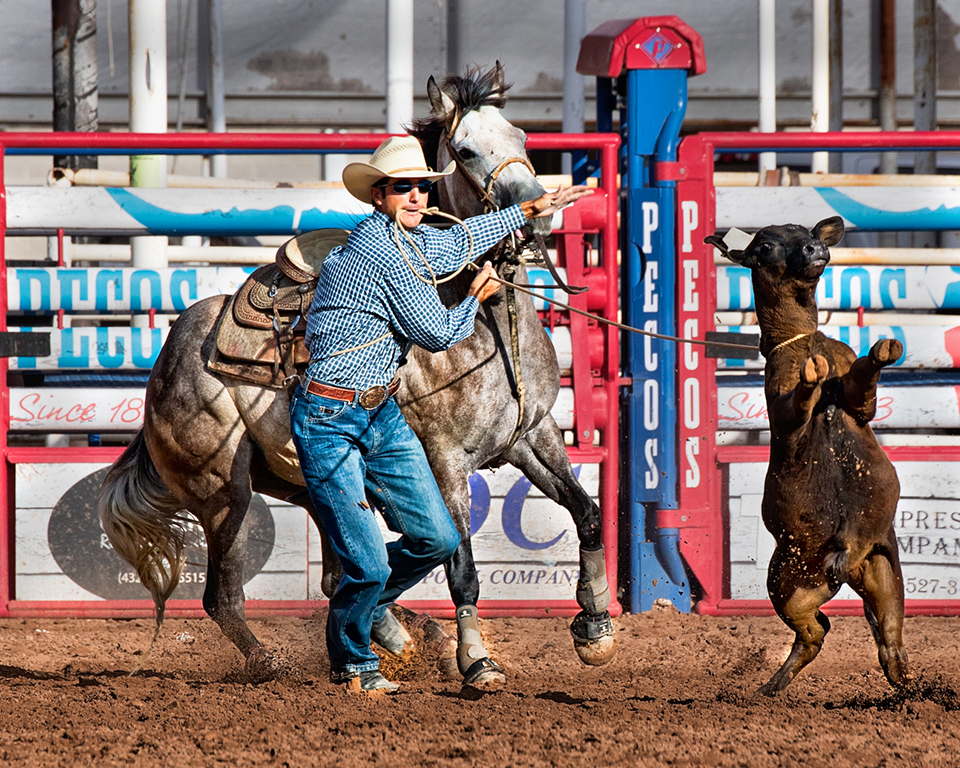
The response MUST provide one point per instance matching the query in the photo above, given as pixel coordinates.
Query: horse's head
(494, 171)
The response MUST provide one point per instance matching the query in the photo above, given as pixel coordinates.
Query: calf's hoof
(261, 665)
(886, 352)
(768, 689)
(780, 680)
(593, 638)
(814, 370)
(894, 663)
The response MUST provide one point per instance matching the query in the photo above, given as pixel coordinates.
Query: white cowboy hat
(399, 157)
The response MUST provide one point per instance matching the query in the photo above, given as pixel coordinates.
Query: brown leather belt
(368, 399)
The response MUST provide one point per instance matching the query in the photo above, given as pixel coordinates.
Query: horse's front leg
(472, 658)
(541, 455)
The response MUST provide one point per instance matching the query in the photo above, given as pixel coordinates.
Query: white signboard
(123, 289)
(924, 346)
(851, 287)
(209, 212)
(44, 290)
(525, 545)
(106, 348)
(55, 409)
(927, 525)
(111, 348)
(120, 409)
(873, 208)
(743, 408)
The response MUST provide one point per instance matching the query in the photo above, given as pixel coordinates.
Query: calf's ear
(717, 242)
(830, 231)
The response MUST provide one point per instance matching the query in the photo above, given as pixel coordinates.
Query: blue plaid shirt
(366, 290)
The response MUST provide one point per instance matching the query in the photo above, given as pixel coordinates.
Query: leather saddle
(259, 337)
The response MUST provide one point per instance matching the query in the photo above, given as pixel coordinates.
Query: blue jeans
(347, 454)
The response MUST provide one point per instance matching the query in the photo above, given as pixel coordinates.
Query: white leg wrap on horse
(593, 592)
(470, 642)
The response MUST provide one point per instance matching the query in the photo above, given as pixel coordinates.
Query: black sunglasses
(404, 187)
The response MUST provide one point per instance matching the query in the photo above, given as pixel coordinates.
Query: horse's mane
(473, 90)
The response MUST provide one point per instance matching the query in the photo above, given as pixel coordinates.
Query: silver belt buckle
(373, 397)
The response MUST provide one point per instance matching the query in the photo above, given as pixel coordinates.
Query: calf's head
(786, 262)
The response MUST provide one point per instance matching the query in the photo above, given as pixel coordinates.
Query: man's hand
(485, 284)
(550, 203)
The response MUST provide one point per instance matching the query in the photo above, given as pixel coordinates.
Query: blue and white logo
(657, 47)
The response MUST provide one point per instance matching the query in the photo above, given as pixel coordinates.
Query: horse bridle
(486, 199)
(482, 193)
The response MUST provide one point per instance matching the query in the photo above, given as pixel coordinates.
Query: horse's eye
(466, 153)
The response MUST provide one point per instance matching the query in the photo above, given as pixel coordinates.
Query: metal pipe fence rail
(53, 559)
(865, 294)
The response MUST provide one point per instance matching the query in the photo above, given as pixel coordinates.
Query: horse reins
(484, 195)
(525, 288)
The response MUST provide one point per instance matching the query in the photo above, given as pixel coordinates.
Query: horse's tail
(145, 523)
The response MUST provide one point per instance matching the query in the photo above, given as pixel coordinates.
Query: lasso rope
(398, 227)
(433, 211)
(789, 341)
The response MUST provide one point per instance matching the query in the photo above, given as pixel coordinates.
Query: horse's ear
(434, 95)
(498, 79)
(441, 104)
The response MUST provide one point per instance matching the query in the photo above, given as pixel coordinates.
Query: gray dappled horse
(209, 441)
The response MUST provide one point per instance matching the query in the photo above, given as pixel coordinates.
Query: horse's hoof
(593, 638)
(449, 670)
(261, 666)
(447, 659)
(597, 653)
(485, 675)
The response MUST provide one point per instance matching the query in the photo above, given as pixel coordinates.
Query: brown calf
(831, 493)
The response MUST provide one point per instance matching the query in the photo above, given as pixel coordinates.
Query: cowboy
(351, 438)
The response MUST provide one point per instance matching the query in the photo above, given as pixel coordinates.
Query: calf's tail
(145, 523)
(837, 565)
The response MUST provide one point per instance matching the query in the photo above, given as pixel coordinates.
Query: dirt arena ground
(680, 693)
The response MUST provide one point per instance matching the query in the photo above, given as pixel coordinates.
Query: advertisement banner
(874, 208)
(178, 211)
(855, 286)
(927, 527)
(914, 407)
(120, 409)
(525, 545)
(924, 346)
